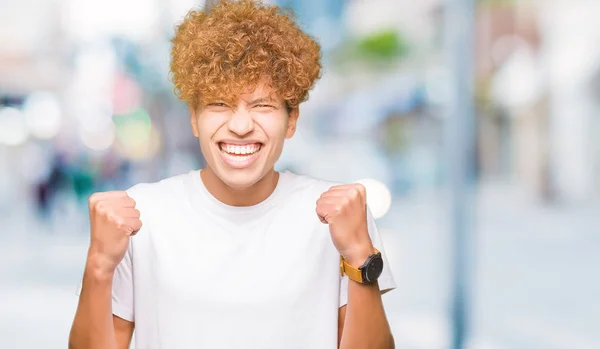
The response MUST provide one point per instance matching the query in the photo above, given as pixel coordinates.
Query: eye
(217, 104)
(265, 106)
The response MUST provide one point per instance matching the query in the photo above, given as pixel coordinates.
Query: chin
(240, 180)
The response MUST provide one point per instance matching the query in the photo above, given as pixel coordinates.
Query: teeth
(240, 149)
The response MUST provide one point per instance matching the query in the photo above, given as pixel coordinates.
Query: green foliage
(383, 45)
(379, 51)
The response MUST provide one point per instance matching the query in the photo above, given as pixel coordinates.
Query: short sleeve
(386, 280)
(122, 292)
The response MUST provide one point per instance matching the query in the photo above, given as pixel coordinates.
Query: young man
(236, 255)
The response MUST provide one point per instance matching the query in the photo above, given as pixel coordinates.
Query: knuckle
(356, 192)
(360, 188)
(93, 199)
(117, 219)
(113, 218)
(120, 223)
(100, 206)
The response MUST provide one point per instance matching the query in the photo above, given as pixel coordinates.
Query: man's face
(242, 142)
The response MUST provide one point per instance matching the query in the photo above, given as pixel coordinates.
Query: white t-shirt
(202, 274)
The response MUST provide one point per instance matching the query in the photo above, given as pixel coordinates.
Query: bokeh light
(43, 115)
(94, 118)
(13, 130)
(137, 138)
(98, 139)
(379, 197)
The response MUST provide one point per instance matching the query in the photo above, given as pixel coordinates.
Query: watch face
(374, 269)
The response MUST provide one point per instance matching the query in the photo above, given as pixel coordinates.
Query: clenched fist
(344, 208)
(113, 219)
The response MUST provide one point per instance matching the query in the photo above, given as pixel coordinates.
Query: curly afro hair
(237, 44)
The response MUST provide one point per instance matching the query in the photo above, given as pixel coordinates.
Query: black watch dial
(373, 269)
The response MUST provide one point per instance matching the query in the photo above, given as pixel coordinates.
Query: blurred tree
(379, 50)
(383, 45)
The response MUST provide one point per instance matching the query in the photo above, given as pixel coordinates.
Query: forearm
(365, 325)
(93, 325)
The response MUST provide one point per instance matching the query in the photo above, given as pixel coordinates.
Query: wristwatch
(367, 273)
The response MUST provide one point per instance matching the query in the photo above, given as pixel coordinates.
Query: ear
(292, 120)
(193, 113)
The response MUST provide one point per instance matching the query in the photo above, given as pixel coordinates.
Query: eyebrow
(262, 100)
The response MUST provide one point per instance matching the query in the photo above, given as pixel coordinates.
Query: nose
(241, 123)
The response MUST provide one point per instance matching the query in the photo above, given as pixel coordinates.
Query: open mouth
(240, 156)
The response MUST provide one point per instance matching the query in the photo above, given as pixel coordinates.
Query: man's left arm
(362, 322)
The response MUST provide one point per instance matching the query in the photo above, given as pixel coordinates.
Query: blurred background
(86, 105)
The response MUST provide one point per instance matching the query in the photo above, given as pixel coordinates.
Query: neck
(253, 195)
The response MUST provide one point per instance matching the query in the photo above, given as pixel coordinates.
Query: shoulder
(306, 184)
(146, 194)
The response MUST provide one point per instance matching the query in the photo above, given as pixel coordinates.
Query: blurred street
(416, 96)
(536, 283)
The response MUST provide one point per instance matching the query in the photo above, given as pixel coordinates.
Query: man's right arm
(95, 326)
(114, 219)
